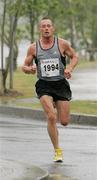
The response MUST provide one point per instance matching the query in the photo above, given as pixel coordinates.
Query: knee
(52, 117)
(65, 122)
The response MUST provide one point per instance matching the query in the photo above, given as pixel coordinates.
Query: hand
(67, 73)
(29, 69)
(33, 69)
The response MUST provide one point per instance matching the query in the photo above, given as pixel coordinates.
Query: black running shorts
(59, 90)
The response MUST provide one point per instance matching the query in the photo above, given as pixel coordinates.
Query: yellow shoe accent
(58, 155)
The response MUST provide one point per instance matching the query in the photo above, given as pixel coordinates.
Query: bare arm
(70, 52)
(28, 66)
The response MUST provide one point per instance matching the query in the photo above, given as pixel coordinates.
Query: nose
(46, 27)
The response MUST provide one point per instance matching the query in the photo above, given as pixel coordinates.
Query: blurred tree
(75, 21)
(86, 26)
(8, 37)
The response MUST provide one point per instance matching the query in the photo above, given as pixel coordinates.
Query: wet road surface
(24, 143)
(84, 84)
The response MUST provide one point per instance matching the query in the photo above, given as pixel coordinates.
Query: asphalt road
(24, 143)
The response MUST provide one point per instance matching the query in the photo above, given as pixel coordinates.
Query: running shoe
(58, 155)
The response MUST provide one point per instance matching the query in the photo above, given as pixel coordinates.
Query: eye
(43, 26)
(48, 25)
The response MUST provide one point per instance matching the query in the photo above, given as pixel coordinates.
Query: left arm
(70, 52)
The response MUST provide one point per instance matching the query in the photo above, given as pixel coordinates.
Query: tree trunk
(2, 52)
(91, 55)
(12, 40)
(15, 55)
(13, 50)
(31, 20)
(73, 32)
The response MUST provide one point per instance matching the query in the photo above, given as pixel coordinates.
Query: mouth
(46, 32)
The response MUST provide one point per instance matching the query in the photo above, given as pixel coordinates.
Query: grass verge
(81, 107)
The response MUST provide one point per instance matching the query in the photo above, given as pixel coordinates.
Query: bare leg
(48, 105)
(63, 109)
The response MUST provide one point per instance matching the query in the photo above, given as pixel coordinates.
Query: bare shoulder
(64, 43)
(64, 46)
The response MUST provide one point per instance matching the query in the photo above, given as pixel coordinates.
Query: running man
(52, 88)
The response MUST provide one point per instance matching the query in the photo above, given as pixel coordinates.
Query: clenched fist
(67, 73)
(29, 69)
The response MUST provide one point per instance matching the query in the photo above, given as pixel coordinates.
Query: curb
(81, 119)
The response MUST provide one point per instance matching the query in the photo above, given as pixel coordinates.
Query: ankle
(58, 148)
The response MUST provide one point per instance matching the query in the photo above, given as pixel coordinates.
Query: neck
(47, 40)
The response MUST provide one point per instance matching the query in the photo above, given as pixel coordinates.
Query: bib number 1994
(50, 67)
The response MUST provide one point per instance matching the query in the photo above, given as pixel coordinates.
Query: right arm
(28, 66)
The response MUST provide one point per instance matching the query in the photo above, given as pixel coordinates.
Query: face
(46, 28)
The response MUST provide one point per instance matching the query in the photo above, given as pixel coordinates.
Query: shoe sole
(58, 161)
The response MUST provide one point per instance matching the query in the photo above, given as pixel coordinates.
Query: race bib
(49, 67)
